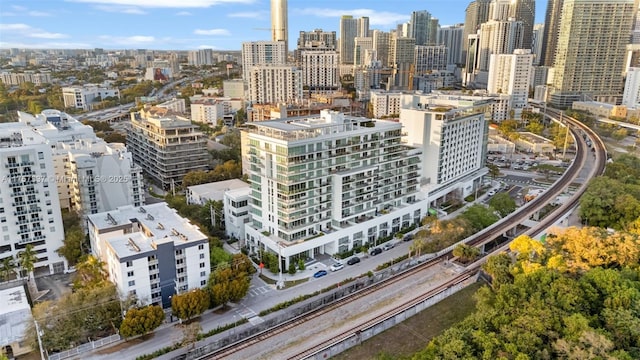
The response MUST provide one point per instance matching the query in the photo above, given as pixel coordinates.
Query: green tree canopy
(502, 203)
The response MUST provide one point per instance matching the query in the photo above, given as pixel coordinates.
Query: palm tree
(28, 259)
(6, 267)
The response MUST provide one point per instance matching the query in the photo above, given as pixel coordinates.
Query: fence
(90, 346)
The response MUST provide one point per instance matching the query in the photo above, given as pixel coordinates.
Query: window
(201, 256)
(201, 247)
(201, 265)
(203, 282)
(203, 273)
(40, 155)
(179, 252)
(3, 219)
(129, 273)
(1, 210)
(180, 271)
(129, 263)
(132, 283)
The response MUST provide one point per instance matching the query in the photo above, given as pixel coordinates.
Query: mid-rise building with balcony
(150, 252)
(166, 148)
(83, 97)
(328, 184)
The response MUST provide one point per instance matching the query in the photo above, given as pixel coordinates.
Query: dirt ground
(415, 333)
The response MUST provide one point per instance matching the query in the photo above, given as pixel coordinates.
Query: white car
(336, 267)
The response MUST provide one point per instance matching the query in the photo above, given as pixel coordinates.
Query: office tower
(150, 252)
(590, 53)
(500, 10)
(498, 37)
(471, 59)
(631, 95)
(477, 12)
(381, 44)
(536, 48)
(272, 84)
(351, 28)
(361, 44)
(511, 74)
(401, 57)
(430, 58)
(328, 184)
(525, 11)
(261, 53)
(550, 32)
(29, 208)
(421, 28)
(279, 23)
(166, 148)
(635, 33)
(451, 37)
(319, 70)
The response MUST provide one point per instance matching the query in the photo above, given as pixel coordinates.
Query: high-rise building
(30, 209)
(385, 103)
(316, 40)
(420, 28)
(271, 84)
(381, 44)
(351, 28)
(402, 56)
(525, 11)
(451, 37)
(590, 53)
(550, 32)
(429, 58)
(361, 44)
(631, 95)
(166, 148)
(280, 23)
(200, 57)
(498, 37)
(477, 12)
(511, 74)
(328, 184)
(319, 70)
(262, 53)
(536, 48)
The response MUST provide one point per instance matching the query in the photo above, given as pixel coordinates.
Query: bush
(301, 264)
(292, 268)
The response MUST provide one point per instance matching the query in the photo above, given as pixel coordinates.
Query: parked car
(375, 251)
(320, 273)
(336, 267)
(388, 245)
(354, 260)
(407, 237)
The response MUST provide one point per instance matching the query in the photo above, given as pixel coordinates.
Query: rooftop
(14, 315)
(162, 224)
(216, 190)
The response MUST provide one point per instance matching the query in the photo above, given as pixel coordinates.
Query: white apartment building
(385, 103)
(209, 110)
(269, 84)
(497, 37)
(10, 78)
(150, 252)
(319, 70)
(631, 94)
(328, 183)
(91, 175)
(29, 205)
(82, 97)
(261, 53)
(200, 57)
(430, 57)
(511, 74)
(435, 80)
(234, 194)
(174, 105)
(452, 133)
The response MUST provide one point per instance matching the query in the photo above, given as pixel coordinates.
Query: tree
(494, 170)
(90, 273)
(115, 137)
(503, 204)
(140, 321)
(465, 252)
(7, 266)
(479, 217)
(71, 248)
(535, 127)
(190, 304)
(547, 169)
(28, 259)
(499, 268)
(230, 282)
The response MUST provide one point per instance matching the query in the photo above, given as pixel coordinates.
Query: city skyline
(193, 24)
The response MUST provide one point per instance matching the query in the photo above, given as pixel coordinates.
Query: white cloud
(18, 8)
(183, 13)
(47, 45)
(207, 47)
(166, 3)
(14, 27)
(121, 9)
(38, 13)
(212, 32)
(47, 35)
(128, 40)
(25, 30)
(380, 18)
(249, 14)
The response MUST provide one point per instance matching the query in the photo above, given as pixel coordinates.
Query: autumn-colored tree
(535, 127)
(91, 273)
(230, 282)
(190, 304)
(140, 321)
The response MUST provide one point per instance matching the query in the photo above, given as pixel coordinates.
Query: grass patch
(413, 334)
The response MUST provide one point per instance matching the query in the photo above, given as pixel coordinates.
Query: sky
(194, 24)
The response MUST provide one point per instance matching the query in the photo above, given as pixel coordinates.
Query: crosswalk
(258, 290)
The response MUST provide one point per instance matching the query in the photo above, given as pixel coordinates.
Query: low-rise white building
(208, 109)
(235, 195)
(174, 105)
(150, 252)
(83, 97)
(15, 319)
